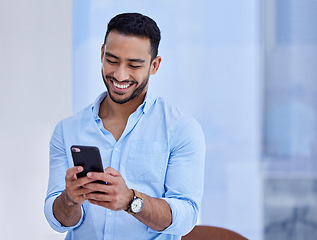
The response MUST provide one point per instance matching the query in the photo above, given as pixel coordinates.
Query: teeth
(122, 86)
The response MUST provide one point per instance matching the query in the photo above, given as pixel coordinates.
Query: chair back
(212, 233)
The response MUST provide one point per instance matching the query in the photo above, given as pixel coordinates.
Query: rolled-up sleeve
(185, 176)
(54, 223)
(56, 185)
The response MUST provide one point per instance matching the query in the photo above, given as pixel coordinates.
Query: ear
(102, 52)
(155, 65)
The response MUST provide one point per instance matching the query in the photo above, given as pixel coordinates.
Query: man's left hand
(114, 195)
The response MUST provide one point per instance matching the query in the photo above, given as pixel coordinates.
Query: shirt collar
(96, 104)
(145, 106)
(148, 101)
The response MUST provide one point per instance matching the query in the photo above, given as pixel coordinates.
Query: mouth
(120, 87)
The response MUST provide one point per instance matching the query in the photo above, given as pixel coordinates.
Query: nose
(121, 73)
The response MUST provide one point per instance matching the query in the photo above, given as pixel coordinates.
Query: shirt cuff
(184, 216)
(54, 223)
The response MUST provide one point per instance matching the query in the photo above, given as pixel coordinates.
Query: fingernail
(89, 175)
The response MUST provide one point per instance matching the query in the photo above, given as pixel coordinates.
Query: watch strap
(136, 195)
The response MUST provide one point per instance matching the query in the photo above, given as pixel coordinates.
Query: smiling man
(153, 154)
(125, 77)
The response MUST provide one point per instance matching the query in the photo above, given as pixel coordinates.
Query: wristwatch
(136, 205)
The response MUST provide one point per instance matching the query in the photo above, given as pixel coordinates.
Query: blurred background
(247, 71)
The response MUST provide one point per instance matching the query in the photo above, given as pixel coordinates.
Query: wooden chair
(212, 233)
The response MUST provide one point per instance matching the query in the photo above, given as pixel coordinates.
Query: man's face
(126, 66)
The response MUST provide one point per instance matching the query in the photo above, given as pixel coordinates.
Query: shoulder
(175, 114)
(86, 114)
(81, 117)
(178, 122)
(170, 111)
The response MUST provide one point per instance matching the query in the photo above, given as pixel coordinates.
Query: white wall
(35, 92)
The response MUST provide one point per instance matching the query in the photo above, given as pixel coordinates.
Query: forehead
(128, 46)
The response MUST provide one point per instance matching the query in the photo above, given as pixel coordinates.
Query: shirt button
(116, 149)
(109, 214)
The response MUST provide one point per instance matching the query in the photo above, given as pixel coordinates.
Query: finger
(111, 171)
(74, 187)
(71, 172)
(83, 180)
(84, 191)
(101, 197)
(108, 179)
(76, 192)
(74, 170)
(97, 187)
(107, 204)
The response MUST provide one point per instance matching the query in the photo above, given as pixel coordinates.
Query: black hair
(136, 24)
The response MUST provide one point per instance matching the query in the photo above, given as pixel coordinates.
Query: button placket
(115, 156)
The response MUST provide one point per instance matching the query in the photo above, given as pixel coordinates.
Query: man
(152, 153)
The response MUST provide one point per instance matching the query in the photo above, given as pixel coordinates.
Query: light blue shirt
(160, 153)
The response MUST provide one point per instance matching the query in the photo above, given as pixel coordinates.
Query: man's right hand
(74, 190)
(67, 206)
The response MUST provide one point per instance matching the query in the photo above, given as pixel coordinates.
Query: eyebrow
(108, 54)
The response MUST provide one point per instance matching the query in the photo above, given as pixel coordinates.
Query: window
(290, 119)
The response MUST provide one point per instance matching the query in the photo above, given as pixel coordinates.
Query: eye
(134, 67)
(111, 62)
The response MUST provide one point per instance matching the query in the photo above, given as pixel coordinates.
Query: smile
(121, 86)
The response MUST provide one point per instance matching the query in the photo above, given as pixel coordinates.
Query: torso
(116, 128)
(115, 116)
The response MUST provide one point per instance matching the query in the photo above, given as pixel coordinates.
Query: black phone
(88, 157)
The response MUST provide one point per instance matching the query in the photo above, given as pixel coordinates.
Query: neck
(110, 109)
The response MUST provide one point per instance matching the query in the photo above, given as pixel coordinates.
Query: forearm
(156, 213)
(68, 213)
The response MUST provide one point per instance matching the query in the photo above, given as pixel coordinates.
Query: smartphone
(88, 157)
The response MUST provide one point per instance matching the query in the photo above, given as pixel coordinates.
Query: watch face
(136, 205)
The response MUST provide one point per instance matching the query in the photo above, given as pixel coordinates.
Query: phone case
(88, 157)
